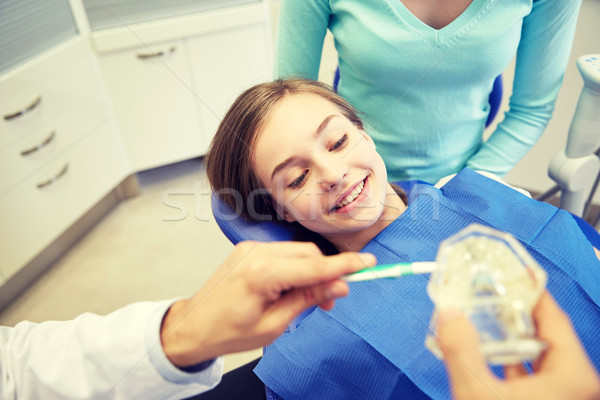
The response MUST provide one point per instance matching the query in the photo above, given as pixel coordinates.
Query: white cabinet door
(153, 99)
(224, 64)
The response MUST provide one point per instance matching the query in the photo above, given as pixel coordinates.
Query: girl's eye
(340, 143)
(298, 182)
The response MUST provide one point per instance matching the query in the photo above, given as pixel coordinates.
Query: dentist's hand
(562, 372)
(253, 296)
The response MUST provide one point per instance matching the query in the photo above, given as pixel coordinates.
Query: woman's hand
(563, 372)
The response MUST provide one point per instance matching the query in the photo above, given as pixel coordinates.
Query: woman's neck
(355, 241)
(436, 13)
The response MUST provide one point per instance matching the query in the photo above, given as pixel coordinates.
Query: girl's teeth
(353, 195)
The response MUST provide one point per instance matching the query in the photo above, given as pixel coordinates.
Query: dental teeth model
(493, 280)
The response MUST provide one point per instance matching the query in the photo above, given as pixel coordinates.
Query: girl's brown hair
(229, 158)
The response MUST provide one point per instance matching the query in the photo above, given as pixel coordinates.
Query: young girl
(294, 152)
(303, 167)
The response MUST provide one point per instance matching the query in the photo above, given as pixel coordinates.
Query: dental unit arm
(575, 168)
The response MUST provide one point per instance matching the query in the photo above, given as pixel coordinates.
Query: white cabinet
(52, 199)
(170, 81)
(153, 98)
(59, 152)
(224, 64)
(50, 103)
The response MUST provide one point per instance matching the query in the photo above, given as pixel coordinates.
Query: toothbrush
(391, 271)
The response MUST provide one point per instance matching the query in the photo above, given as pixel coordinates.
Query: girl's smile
(352, 199)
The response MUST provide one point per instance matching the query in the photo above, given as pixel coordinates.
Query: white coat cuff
(208, 377)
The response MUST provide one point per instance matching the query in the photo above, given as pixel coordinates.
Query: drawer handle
(24, 111)
(40, 146)
(56, 177)
(161, 53)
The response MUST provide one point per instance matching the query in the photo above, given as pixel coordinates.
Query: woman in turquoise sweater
(421, 73)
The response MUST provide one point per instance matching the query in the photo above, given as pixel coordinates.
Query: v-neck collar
(461, 24)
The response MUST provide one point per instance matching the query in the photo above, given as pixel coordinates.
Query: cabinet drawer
(61, 81)
(44, 143)
(40, 209)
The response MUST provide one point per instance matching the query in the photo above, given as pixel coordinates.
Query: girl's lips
(346, 207)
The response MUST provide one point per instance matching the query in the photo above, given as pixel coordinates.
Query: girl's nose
(332, 177)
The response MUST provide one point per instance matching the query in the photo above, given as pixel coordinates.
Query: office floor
(160, 244)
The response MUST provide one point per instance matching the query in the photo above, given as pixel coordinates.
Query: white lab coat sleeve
(118, 356)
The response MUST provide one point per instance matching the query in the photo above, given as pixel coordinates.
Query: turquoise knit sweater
(424, 92)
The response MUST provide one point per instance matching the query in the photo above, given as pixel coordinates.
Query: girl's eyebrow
(281, 166)
(323, 125)
(319, 130)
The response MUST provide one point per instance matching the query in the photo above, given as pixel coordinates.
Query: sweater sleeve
(542, 56)
(117, 356)
(302, 28)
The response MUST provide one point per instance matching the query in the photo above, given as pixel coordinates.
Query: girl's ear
(288, 217)
(285, 215)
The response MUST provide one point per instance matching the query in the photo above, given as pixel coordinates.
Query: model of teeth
(353, 195)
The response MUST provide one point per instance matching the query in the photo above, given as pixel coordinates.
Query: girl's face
(323, 171)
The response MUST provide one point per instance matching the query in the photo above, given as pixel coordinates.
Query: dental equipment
(574, 168)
